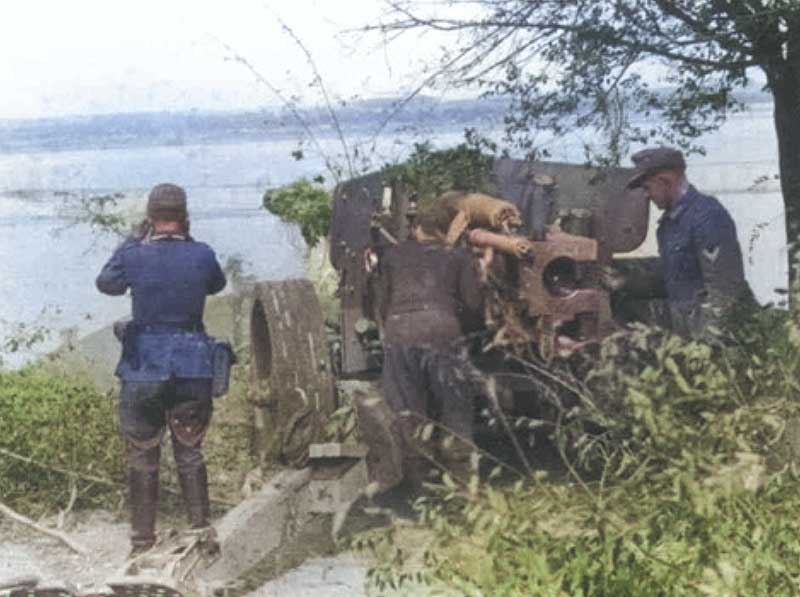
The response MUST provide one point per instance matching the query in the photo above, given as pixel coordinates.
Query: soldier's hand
(484, 263)
(140, 231)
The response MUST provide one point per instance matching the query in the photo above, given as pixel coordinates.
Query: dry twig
(95, 479)
(24, 520)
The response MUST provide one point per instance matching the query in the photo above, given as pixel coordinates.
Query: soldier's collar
(155, 237)
(681, 205)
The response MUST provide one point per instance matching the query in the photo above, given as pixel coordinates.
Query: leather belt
(166, 328)
(417, 307)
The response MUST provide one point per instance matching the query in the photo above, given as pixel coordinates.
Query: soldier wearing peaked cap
(166, 363)
(701, 259)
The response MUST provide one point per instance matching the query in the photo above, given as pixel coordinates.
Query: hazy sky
(87, 56)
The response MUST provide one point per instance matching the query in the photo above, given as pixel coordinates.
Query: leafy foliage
(679, 480)
(567, 66)
(62, 424)
(556, 540)
(430, 173)
(303, 203)
(102, 213)
(20, 336)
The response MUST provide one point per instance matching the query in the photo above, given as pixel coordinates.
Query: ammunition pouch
(223, 358)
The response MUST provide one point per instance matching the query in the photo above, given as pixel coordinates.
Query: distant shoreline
(198, 128)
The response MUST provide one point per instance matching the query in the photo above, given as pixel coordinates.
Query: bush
(667, 488)
(430, 173)
(303, 203)
(60, 423)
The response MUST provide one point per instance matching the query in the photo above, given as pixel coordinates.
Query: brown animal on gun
(478, 209)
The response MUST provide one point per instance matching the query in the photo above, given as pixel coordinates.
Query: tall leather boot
(194, 484)
(143, 488)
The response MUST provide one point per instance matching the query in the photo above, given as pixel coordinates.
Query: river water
(49, 262)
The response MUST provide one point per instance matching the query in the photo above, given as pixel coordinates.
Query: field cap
(167, 201)
(653, 160)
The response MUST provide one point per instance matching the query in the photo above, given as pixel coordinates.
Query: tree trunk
(785, 85)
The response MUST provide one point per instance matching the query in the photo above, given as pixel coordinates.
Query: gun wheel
(292, 383)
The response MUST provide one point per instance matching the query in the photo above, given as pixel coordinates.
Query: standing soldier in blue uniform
(701, 260)
(166, 363)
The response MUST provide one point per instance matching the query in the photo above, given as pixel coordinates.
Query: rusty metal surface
(292, 385)
(551, 300)
(620, 216)
(354, 294)
(354, 203)
(562, 244)
(557, 305)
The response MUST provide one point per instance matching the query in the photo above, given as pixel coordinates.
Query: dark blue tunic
(169, 280)
(702, 262)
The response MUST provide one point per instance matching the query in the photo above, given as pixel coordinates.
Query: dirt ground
(24, 552)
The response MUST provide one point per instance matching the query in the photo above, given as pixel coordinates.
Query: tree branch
(614, 37)
(92, 478)
(24, 520)
(292, 107)
(328, 104)
(701, 29)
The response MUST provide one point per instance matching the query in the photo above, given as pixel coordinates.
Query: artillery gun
(574, 220)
